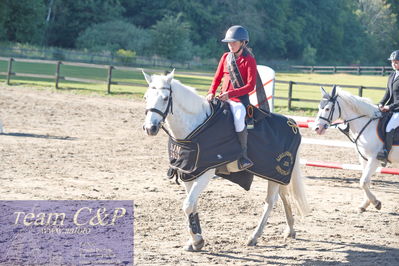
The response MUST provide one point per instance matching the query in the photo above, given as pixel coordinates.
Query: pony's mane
(188, 95)
(358, 104)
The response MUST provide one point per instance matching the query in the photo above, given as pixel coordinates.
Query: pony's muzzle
(320, 129)
(151, 130)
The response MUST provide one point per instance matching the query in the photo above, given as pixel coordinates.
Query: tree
(394, 7)
(206, 20)
(114, 35)
(268, 28)
(380, 25)
(3, 18)
(69, 18)
(171, 39)
(144, 13)
(22, 21)
(328, 31)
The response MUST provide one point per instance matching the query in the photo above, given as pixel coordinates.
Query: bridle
(169, 107)
(334, 101)
(345, 122)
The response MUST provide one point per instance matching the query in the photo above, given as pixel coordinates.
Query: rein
(346, 132)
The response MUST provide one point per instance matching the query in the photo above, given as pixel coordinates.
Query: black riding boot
(383, 155)
(244, 162)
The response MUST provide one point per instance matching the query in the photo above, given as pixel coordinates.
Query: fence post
(109, 79)
(360, 91)
(311, 69)
(382, 71)
(9, 72)
(290, 84)
(358, 70)
(334, 69)
(57, 74)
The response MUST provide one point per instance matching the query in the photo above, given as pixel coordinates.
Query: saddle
(381, 126)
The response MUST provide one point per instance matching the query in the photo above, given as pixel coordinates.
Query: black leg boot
(244, 162)
(383, 155)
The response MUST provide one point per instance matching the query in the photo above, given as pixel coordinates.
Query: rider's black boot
(383, 155)
(244, 162)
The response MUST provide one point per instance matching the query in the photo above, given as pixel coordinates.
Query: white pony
(189, 111)
(362, 117)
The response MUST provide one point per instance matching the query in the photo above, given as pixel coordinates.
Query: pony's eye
(327, 109)
(166, 98)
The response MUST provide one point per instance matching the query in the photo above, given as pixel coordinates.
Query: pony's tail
(296, 189)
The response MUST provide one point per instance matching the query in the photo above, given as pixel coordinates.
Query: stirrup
(244, 163)
(250, 121)
(382, 155)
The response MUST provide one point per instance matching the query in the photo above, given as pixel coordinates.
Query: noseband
(169, 107)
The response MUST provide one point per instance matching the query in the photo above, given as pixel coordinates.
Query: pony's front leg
(366, 202)
(272, 195)
(369, 168)
(194, 189)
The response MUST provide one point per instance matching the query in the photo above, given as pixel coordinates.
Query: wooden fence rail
(109, 82)
(57, 77)
(382, 70)
(290, 99)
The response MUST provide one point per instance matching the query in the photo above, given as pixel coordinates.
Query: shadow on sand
(30, 135)
(354, 254)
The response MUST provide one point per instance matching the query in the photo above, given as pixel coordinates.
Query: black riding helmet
(236, 33)
(394, 55)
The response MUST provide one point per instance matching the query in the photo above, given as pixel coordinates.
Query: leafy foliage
(331, 31)
(114, 35)
(69, 18)
(22, 20)
(171, 38)
(126, 57)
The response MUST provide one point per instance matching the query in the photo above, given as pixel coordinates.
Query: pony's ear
(324, 93)
(170, 76)
(147, 77)
(334, 91)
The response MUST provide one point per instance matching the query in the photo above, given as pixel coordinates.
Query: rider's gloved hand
(384, 108)
(210, 97)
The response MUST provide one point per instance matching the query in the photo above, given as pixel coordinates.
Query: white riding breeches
(393, 122)
(239, 112)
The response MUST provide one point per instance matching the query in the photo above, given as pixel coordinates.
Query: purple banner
(66, 232)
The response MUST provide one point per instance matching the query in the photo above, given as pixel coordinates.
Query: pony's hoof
(191, 247)
(199, 245)
(378, 205)
(289, 234)
(188, 248)
(252, 242)
(362, 209)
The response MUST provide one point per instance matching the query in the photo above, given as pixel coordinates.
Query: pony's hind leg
(289, 231)
(368, 171)
(194, 189)
(272, 195)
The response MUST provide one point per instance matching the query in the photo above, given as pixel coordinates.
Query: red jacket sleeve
(218, 75)
(249, 70)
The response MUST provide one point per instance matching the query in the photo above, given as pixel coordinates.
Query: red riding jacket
(247, 67)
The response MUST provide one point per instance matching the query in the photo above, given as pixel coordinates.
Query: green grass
(202, 83)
